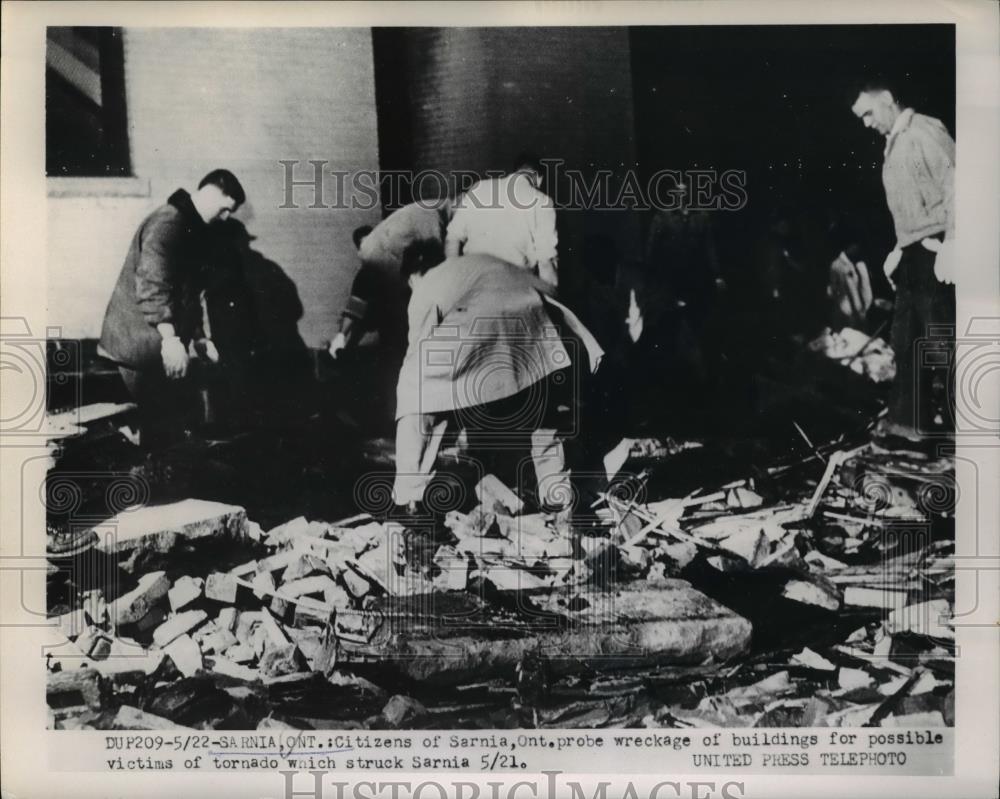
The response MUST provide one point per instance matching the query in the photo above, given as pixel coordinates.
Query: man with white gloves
(918, 173)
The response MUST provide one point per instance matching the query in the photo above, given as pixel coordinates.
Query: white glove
(634, 322)
(944, 262)
(175, 357)
(203, 348)
(337, 345)
(891, 262)
(211, 352)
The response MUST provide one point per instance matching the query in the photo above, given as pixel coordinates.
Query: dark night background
(773, 101)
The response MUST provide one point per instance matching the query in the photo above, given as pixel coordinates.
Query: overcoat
(482, 329)
(159, 282)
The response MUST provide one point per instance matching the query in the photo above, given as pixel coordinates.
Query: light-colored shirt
(507, 218)
(919, 177)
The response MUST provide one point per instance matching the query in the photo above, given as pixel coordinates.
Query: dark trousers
(168, 408)
(923, 340)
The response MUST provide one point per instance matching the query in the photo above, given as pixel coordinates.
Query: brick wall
(473, 98)
(242, 99)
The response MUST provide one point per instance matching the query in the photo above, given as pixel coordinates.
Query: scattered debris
(673, 611)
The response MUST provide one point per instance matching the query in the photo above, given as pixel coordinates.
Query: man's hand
(634, 321)
(337, 345)
(944, 262)
(204, 348)
(175, 357)
(549, 272)
(891, 263)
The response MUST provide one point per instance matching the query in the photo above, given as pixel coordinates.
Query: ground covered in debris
(811, 592)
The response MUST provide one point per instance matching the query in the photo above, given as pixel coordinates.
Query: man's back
(507, 218)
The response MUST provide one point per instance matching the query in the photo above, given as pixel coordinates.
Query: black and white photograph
(416, 390)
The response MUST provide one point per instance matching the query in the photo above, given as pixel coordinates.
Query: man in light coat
(486, 350)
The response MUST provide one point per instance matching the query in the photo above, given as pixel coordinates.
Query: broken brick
(495, 496)
(680, 553)
(275, 634)
(812, 660)
(924, 618)
(94, 643)
(177, 626)
(278, 561)
(132, 606)
(185, 654)
(813, 592)
(127, 656)
(850, 679)
(262, 584)
(226, 620)
(254, 532)
(245, 569)
(283, 532)
(280, 660)
(184, 591)
(241, 653)
(454, 569)
(230, 668)
(403, 710)
(309, 612)
(72, 688)
(316, 584)
(305, 566)
(246, 622)
(357, 585)
(218, 642)
(221, 587)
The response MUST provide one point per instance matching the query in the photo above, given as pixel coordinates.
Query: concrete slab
(156, 528)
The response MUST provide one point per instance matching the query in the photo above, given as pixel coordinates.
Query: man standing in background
(509, 218)
(918, 173)
(154, 322)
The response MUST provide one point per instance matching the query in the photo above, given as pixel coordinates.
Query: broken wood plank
(836, 461)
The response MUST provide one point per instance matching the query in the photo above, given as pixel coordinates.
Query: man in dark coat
(372, 332)
(153, 324)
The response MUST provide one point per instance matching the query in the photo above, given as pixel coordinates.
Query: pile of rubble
(825, 606)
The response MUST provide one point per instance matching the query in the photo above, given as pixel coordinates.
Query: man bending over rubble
(154, 323)
(485, 351)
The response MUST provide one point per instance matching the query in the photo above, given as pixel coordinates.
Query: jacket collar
(902, 123)
(181, 200)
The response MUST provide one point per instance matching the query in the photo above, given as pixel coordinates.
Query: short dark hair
(227, 183)
(420, 256)
(526, 158)
(359, 233)
(872, 82)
